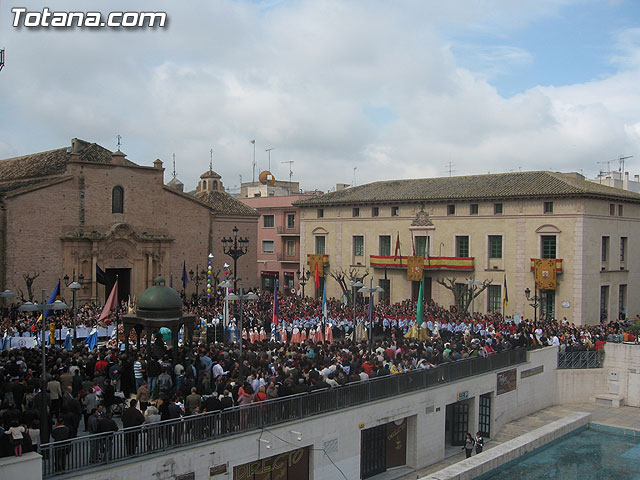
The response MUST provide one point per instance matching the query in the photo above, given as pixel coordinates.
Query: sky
(349, 91)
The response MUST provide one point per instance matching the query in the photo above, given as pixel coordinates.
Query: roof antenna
(450, 168)
(174, 165)
(354, 176)
(253, 164)
(290, 162)
(268, 150)
(211, 161)
(118, 137)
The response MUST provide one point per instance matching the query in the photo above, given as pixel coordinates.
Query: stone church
(74, 209)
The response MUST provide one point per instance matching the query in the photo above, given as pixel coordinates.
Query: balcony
(430, 263)
(288, 231)
(283, 257)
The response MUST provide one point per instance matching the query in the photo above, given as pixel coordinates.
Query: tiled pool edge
(504, 453)
(625, 432)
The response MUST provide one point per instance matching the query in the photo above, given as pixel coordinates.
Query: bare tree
(28, 279)
(463, 293)
(343, 278)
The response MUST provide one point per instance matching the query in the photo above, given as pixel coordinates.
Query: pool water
(588, 455)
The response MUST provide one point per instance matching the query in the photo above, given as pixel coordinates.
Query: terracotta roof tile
(224, 204)
(472, 187)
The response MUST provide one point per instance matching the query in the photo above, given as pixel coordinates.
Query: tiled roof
(224, 204)
(472, 187)
(30, 169)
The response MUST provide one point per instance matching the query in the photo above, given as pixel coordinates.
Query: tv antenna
(253, 164)
(268, 150)
(354, 176)
(290, 162)
(450, 167)
(621, 159)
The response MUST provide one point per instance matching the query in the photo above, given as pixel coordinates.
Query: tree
(28, 279)
(463, 294)
(343, 278)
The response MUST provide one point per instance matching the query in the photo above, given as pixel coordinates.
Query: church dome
(159, 301)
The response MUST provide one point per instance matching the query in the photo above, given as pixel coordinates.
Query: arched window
(117, 200)
(204, 184)
(214, 186)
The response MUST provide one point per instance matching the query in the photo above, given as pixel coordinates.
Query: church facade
(74, 209)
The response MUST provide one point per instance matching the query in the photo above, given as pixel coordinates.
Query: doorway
(484, 415)
(457, 423)
(123, 275)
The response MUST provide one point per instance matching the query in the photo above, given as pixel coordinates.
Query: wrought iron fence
(581, 359)
(108, 448)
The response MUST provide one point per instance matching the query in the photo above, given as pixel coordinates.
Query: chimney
(117, 157)
(157, 163)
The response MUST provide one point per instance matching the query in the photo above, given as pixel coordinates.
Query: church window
(117, 200)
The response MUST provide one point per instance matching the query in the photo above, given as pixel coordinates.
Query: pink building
(278, 240)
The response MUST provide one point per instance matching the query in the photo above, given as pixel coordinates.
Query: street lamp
(196, 278)
(371, 290)
(235, 247)
(243, 297)
(74, 286)
(6, 294)
(303, 278)
(34, 307)
(533, 301)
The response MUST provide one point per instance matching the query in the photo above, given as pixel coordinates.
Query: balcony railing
(283, 257)
(282, 230)
(581, 359)
(109, 448)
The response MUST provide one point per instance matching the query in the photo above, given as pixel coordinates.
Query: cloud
(331, 85)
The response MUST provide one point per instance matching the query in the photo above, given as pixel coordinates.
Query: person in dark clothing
(107, 424)
(212, 403)
(479, 443)
(60, 433)
(108, 395)
(132, 417)
(468, 445)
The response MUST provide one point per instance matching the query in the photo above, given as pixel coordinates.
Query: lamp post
(74, 286)
(243, 297)
(303, 278)
(371, 290)
(196, 278)
(235, 247)
(34, 307)
(533, 301)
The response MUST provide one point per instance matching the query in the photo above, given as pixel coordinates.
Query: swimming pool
(591, 454)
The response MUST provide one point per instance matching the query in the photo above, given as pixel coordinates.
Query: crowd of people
(85, 388)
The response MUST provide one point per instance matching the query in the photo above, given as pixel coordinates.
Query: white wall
(425, 437)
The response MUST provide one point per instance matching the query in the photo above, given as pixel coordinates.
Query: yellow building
(486, 227)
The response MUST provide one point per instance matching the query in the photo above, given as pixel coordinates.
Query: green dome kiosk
(157, 307)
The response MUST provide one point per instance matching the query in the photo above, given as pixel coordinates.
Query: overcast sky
(396, 89)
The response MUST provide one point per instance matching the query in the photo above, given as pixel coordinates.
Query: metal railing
(108, 448)
(580, 359)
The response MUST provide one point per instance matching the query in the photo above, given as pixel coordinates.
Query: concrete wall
(424, 410)
(27, 467)
(622, 372)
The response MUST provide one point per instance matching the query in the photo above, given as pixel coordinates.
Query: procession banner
(415, 267)
(545, 273)
(316, 259)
